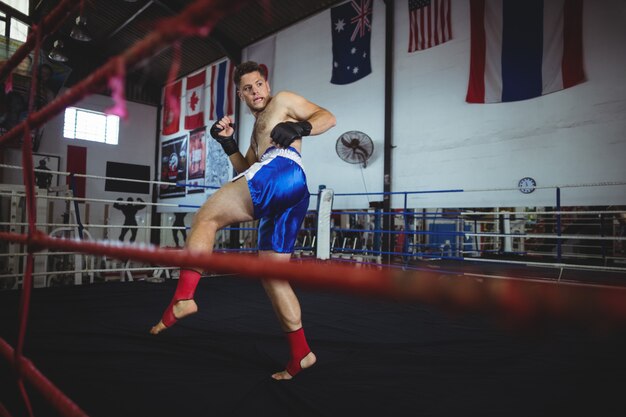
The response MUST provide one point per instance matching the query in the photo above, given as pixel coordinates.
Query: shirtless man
(272, 187)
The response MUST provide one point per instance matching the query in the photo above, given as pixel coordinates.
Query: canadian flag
(194, 115)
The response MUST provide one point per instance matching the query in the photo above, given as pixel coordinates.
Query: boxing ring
(431, 339)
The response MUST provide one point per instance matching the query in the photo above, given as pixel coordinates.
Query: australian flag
(351, 29)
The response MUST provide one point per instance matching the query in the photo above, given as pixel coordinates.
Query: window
(91, 125)
(19, 31)
(20, 5)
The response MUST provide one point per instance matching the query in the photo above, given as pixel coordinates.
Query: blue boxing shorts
(280, 197)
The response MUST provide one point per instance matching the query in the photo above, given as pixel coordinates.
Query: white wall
(136, 145)
(575, 136)
(303, 63)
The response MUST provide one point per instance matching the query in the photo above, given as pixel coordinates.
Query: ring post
(324, 208)
(558, 225)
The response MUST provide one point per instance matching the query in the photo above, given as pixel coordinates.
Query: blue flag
(351, 28)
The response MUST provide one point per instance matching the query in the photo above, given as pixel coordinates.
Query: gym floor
(375, 357)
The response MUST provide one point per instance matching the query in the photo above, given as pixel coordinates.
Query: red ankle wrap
(187, 283)
(185, 289)
(299, 348)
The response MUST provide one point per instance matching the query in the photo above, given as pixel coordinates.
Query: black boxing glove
(285, 133)
(228, 142)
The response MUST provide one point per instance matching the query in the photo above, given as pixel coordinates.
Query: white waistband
(272, 153)
(267, 157)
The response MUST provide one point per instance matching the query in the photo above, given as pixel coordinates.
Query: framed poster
(173, 167)
(43, 165)
(197, 161)
(218, 168)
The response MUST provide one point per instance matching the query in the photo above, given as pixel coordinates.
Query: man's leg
(230, 204)
(287, 309)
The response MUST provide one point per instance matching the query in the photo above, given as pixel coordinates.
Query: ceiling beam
(132, 18)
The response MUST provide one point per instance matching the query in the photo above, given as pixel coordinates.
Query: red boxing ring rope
(51, 23)
(55, 396)
(198, 19)
(518, 300)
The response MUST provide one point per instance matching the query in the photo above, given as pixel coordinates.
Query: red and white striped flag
(430, 23)
(523, 50)
(194, 114)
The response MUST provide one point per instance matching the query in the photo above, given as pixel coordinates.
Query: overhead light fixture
(80, 32)
(56, 54)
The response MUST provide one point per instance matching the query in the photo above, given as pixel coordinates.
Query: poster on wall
(197, 161)
(218, 169)
(44, 166)
(173, 167)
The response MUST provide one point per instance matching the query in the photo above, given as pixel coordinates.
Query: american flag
(430, 23)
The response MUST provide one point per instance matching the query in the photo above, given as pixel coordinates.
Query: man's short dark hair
(246, 68)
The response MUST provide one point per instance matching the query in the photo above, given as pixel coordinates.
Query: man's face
(254, 90)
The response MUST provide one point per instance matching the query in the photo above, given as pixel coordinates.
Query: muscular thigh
(230, 204)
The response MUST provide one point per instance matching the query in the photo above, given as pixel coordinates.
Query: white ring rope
(544, 236)
(4, 255)
(554, 265)
(97, 200)
(551, 187)
(483, 213)
(85, 225)
(578, 185)
(415, 214)
(97, 177)
(87, 271)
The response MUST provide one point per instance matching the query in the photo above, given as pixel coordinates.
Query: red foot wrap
(299, 349)
(185, 289)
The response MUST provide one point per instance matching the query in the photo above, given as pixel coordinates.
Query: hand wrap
(229, 145)
(285, 133)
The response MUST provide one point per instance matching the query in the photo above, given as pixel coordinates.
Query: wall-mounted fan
(355, 147)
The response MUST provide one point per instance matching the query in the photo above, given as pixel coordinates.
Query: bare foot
(181, 309)
(306, 362)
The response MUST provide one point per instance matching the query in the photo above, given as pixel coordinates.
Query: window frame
(81, 129)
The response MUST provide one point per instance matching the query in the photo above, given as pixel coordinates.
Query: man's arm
(301, 109)
(310, 119)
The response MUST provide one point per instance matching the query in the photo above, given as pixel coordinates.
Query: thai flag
(524, 49)
(222, 90)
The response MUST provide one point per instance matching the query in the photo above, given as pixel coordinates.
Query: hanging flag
(351, 25)
(521, 50)
(263, 54)
(194, 115)
(171, 108)
(222, 90)
(429, 23)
